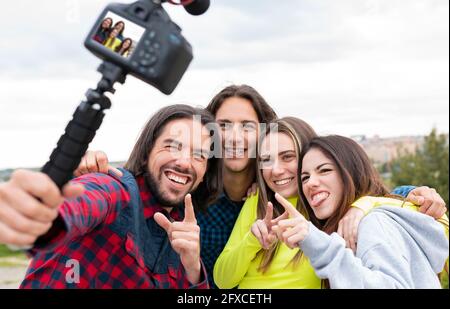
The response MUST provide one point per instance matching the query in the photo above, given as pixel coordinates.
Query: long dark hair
(359, 177)
(301, 133)
(123, 28)
(118, 48)
(109, 28)
(211, 186)
(263, 110)
(265, 113)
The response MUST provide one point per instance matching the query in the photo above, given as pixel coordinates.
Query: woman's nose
(277, 168)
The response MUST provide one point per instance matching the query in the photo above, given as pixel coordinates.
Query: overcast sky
(349, 67)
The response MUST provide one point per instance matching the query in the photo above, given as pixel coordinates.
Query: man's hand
(348, 227)
(293, 230)
(430, 202)
(29, 204)
(185, 239)
(95, 162)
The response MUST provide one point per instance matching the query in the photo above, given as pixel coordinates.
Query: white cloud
(348, 67)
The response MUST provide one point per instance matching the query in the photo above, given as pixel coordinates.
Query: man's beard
(159, 194)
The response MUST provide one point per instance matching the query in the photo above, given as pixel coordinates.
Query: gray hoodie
(397, 248)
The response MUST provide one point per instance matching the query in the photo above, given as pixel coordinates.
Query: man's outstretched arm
(34, 211)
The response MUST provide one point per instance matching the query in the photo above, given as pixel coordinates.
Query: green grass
(5, 252)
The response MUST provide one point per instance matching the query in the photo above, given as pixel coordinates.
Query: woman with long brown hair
(112, 41)
(253, 258)
(104, 30)
(124, 48)
(396, 247)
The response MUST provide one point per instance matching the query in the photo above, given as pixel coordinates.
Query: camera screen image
(118, 34)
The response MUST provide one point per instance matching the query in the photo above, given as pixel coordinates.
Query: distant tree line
(427, 166)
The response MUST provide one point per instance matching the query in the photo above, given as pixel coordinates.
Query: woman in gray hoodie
(396, 247)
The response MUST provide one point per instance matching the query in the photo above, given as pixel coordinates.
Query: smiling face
(280, 164)
(119, 26)
(238, 123)
(126, 44)
(178, 160)
(114, 33)
(321, 183)
(107, 22)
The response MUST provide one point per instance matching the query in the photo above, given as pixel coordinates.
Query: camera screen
(118, 34)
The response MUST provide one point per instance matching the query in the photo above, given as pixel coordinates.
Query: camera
(137, 39)
(141, 39)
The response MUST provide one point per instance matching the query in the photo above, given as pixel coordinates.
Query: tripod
(80, 131)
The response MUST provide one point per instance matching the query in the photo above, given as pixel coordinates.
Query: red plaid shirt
(91, 244)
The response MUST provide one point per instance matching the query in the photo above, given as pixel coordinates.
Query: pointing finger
(189, 215)
(288, 206)
(269, 213)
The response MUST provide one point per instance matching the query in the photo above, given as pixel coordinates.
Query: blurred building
(383, 150)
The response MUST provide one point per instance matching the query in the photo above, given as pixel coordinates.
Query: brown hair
(359, 178)
(118, 48)
(210, 188)
(301, 134)
(118, 23)
(263, 110)
(265, 113)
(107, 18)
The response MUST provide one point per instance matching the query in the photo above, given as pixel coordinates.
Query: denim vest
(146, 241)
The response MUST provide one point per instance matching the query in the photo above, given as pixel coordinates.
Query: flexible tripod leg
(80, 131)
(73, 144)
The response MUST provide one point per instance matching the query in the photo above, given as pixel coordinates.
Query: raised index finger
(189, 215)
(269, 213)
(288, 206)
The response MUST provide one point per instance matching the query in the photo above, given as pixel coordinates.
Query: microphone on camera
(197, 7)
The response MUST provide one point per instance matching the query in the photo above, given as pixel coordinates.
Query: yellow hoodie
(238, 263)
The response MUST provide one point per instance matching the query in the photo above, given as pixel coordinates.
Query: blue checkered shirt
(216, 225)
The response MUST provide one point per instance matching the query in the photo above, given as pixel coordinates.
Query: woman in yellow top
(112, 42)
(397, 247)
(124, 48)
(253, 256)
